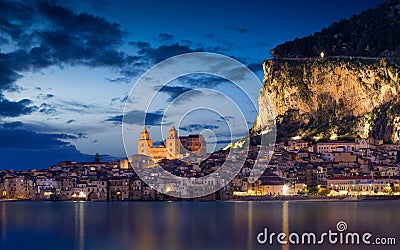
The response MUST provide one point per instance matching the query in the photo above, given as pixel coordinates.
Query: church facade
(174, 147)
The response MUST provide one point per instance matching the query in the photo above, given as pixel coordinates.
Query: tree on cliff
(373, 33)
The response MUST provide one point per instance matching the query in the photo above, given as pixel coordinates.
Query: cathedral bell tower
(144, 143)
(172, 143)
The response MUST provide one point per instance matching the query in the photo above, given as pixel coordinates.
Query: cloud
(119, 80)
(47, 109)
(15, 108)
(166, 38)
(180, 95)
(163, 52)
(201, 80)
(137, 117)
(173, 91)
(45, 97)
(134, 71)
(68, 38)
(198, 127)
(45, 34)
(16, 139)
(75, 106)
(48, 96)
(186, 42)
(7, 75)
(225, 118)
(14, 16)
(11, 125)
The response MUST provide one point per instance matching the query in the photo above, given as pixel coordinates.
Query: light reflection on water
(285, 222)
(3, 223)
(185, 225)
(79, 227)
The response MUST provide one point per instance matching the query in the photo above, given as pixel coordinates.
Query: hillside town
(296, 168)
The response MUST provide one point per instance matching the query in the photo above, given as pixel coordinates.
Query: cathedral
(174, 147)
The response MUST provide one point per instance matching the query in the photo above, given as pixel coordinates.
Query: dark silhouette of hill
(373, 33)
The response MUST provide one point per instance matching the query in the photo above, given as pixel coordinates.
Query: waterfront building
(118, 188)
(17, 187)
(359, 185)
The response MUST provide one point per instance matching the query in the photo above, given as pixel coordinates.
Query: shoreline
(246, 199)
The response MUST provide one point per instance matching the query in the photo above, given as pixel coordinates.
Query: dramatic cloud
(17, 137)
(15, 140)
(136, 117)
(66, 38)
(7, 75)
(23, 148)
(14, 17)
(15, 109)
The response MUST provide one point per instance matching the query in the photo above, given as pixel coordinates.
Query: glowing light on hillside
(333, 136)
(285, 189)
(297, 137)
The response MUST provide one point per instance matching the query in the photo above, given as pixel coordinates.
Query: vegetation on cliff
(351, 91)
(373, 33)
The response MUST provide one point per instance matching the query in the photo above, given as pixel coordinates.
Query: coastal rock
(317, 98)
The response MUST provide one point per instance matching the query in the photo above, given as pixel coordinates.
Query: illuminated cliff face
(343, 96)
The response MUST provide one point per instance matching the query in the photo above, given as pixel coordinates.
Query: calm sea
(187, 225)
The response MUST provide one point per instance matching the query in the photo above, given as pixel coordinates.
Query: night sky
(67, 67)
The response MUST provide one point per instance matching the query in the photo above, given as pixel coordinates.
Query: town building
(359, 185)
(334, 146)
(174, 147)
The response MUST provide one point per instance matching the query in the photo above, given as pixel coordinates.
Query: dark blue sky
(66, 67)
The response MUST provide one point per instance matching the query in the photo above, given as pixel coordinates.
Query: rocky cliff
(331, 97)
(351, 91)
